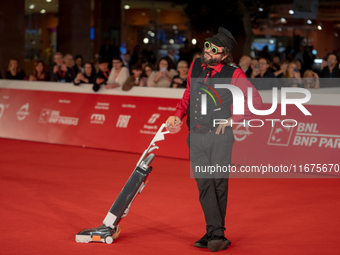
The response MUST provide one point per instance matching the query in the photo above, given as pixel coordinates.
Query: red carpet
(49, 193)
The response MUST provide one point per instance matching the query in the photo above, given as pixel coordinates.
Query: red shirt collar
(217, 68)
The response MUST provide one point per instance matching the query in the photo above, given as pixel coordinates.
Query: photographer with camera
(329, 68)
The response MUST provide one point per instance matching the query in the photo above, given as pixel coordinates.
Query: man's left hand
(222, 126)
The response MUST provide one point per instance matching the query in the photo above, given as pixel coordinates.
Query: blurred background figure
(87, 76)
(14, 72)
(293, 76)
(329, 68)
(126, 60)
(136, 54)
(196, 55)
(180, 80)
(78, 64)
(102, 75)
(185, 52)
(265, 53)
(163, 75)
(275, 66)
(144, 61)
(61, 73)
(261, 73)
(299, 66)
(244, 64)
(171, 58)
(39, 72)
(118, 74)
(254, 64)
(135, 78)
(283, 66)
(147, 70)
(308, 58)
(299, 55)
(149, 54)
(311, 80)
(69, 62)
(106, 51)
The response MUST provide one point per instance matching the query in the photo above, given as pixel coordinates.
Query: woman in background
(311, 80)
(148, 68)
(293, 76)
(163, 75)
(14, 72)
(87, 76)
(39, 72)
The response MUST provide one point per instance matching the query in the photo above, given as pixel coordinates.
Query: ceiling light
(31, 6)
(42, 11)
(145, 40)
(291, 12)
(126, 7)
(194, 41)
(309, 22)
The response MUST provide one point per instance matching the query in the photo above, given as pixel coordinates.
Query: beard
(211, 61)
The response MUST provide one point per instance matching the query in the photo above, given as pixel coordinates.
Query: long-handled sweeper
(109, 231)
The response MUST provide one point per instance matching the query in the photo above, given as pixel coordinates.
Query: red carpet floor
(49, 193)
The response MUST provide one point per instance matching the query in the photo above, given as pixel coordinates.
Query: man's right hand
(80, 77)
(55, 69)
(255, 73)
(99, 80)
(63, 67)
(173, 121)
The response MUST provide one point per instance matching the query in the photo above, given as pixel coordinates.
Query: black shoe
(203, 242)
(226, 243)
(218, 243)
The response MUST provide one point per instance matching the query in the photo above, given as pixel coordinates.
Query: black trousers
(210, 156)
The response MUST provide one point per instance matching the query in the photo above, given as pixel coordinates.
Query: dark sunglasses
(213, 49)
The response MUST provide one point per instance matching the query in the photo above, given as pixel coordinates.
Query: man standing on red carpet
(211, 138)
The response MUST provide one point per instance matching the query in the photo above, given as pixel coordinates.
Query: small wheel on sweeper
(109, 239)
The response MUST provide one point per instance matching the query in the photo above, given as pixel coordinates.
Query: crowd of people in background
(113, 69)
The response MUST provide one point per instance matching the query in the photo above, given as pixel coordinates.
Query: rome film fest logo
(238, 104)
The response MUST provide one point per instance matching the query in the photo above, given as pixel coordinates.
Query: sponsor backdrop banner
(92, 120)
(128, 123)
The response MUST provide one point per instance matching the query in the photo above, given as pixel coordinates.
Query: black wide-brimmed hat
(223, 39)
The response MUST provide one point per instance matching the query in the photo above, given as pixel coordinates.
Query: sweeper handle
(158, 137)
